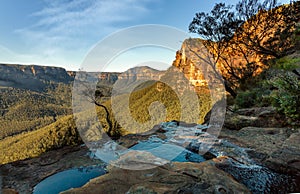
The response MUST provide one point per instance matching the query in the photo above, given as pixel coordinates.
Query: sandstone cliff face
(185, 65)
(107, 76)
(131, 75)
(36, 78)
(245, 55)
(200, 72)
(31, 77)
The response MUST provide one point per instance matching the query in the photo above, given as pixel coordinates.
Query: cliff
(245, 55)
(36, 78)
(185, 65)
(132, 74)
(141, 73)
(136, 78)
(31, 77)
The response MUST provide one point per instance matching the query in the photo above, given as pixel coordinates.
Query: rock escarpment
(31, 77)
(131, 75)
(193, 72)
(37, 78)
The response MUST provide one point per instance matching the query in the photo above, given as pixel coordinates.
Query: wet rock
(257, 178)
(276, 148)
(167, 178)
(130, 140)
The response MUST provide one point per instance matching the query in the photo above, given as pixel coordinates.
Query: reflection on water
(68, 179)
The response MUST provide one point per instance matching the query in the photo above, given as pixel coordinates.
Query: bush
(245, 99)
(254, 97)
(286, 97)
(287, 63)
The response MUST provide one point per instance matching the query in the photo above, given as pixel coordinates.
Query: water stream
(182, 144)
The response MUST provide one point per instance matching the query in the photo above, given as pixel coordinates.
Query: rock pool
(68, 179)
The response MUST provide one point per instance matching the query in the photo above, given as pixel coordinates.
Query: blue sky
(62, 32)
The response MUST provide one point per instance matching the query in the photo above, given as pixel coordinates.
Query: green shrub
(286, 98)
(287, 63)
(245, 99)
(254, 97)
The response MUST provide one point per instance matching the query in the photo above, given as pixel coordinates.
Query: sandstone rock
(277, 148)
(168, 178)
(255, 111)
(236, 122)
(9, 191)
(32, 77)
(287, 158)
(254, 117)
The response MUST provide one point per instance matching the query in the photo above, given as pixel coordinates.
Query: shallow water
(183, 144)
(68, 179)
(168, 151)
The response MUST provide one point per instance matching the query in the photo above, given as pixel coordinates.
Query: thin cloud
(77, 25)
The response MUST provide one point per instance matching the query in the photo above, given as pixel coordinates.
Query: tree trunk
(110, 126)
(230, 90)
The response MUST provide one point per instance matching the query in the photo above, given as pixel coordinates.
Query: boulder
(287, 158)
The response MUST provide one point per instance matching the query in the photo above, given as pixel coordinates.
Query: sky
(63, 32)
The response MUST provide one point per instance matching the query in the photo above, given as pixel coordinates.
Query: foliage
(239, 38)
(258, 96)
(31, 144)
(278, 86)
(140, 101)
(24, 110)
(268, 28)
(245, 99)
(286, 97)
(287, 63)
(211, 26)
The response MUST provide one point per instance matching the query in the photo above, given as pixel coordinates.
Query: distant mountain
(32, 77)
(38, 78)
(137, 78)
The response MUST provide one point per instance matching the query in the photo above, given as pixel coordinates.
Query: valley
(223, 118)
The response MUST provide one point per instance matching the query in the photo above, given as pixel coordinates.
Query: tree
(96, 96)
(268, 29)
(240, 36)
